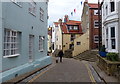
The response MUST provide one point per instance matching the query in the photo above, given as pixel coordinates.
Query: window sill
(96, 27)
(41, 50)
(42, 20)
(32, 14)
(96, 42)
(17, 4)
(11, 56)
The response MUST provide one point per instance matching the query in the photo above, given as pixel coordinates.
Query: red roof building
(70, 30)
(71, 27)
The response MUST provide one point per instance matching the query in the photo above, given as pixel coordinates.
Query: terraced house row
(23, 37)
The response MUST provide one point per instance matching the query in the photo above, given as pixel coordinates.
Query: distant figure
(60, 54)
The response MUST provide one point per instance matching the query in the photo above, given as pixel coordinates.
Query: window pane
(112, 4)
(8, 46)
(8, 32)
(112, 31)
(107, 43)
(7, 52)
(107, 33)
(96, 24)
(113, 43)
(106, 10)
(12, 52)
(12, 45)
(4, 52)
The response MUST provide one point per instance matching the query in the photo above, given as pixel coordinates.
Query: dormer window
(112, 6)
(72, 27)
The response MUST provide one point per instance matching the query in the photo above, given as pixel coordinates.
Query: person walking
(60, 55)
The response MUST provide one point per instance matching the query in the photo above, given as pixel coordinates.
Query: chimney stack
(66, 18)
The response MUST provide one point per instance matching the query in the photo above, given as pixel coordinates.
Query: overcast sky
(58, 8)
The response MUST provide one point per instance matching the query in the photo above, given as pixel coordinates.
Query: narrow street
(69, 70)
(36, 34)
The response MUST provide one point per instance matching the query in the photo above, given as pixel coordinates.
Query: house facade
(89, 21)
(23, 38)
(110, 25)
(66, 32)
(58, 39)
(50, 39)
(71, 30)
(81, 44)
(54, 29)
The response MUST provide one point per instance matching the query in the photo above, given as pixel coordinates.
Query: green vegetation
(113, 56)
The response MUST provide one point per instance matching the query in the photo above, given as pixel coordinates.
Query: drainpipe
(99, 20)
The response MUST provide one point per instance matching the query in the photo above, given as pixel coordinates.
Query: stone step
(87, 56)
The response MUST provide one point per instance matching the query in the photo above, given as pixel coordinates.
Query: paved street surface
(69, 70)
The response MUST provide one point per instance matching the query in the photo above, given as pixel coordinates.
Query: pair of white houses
(110, 25)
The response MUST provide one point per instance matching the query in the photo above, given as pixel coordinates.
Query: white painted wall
(54, 30)
(108, 21)
(59, 37)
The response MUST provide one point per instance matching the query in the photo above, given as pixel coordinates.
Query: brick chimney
(66, 18)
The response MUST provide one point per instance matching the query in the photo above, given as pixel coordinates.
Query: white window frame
(32, 8)
(11, 43)
(113, 38)
(70, 27)
(109, 47)
(95, 12)
(41, 43)
(95, 24)
(75, 27)
(96, 38)
(41, 14)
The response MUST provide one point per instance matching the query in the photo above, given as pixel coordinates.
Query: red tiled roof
(73, 22)
(92, 5)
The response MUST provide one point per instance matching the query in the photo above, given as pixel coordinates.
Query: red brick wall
(93, 31)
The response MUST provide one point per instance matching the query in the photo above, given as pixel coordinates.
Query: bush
(112, 56)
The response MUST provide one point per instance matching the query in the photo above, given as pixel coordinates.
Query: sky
(57, 9)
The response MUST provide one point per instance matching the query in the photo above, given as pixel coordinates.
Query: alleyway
(69, 70)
